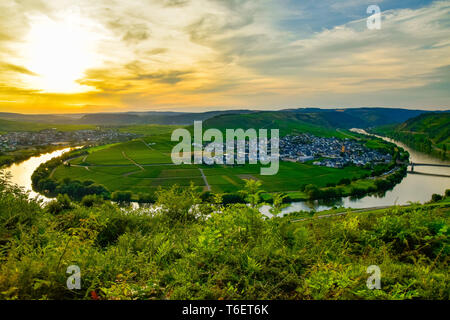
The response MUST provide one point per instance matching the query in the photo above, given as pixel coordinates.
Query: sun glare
(59, 52)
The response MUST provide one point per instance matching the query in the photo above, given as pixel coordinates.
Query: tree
(436, 197)
(121, 196)
(91, 200)
(232, 198)
(179, 205)
(313, 191)
(146, 198)
(252, 192)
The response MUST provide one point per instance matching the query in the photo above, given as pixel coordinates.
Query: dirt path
(343, 213)
(146, 144)
(134, 162)
(130, 173)
(208, 187)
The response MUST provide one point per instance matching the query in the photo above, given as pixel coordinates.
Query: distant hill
(337, 118)
(8, 126)
(128, 118)
(316, 121)
(428, 133)
(120, 118)
(363, 117)
(287, 122)
(45, 118)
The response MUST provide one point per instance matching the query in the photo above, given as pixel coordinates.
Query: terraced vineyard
(144, 164)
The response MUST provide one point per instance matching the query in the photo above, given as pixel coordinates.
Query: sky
(67, 56)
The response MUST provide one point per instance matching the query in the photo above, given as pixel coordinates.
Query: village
(16, 140)
(329, 152)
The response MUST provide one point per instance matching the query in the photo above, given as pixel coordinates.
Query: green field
(144, 164)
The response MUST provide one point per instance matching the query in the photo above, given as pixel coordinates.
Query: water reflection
(413, 188)
(21, 172)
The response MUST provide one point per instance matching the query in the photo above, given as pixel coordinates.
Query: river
(414, 187)
(21, 172)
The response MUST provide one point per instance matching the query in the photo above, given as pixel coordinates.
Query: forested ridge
(429, 133)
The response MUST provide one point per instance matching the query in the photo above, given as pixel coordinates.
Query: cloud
(170, 77)
(184, 53)
(174, 3)
(4, 67)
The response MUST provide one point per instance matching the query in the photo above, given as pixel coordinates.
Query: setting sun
(59, 52)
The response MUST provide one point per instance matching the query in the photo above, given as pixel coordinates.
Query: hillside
(218, 252)
(428, 133)
(287, 122)
(319, 122)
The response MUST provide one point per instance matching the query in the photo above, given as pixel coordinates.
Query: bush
(121, 196)
(436, 197)
(61, 203)
(232, 198)
(91, 200)
(146, 198)
(206, 196)
(344, 181)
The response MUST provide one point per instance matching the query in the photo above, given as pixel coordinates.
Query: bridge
(417, 164)
(429, 174)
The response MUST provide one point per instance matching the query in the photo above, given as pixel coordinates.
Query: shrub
(121, 196)
(232, 198)
(146, 198)
(61, 203)
(91, 200)
(344, 181)
(436, 197)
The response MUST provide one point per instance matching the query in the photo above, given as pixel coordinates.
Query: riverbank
(10, 157)
(21, 171)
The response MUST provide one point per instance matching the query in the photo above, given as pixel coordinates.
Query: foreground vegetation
(186, 249)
